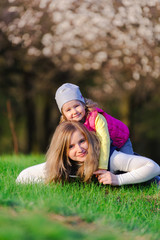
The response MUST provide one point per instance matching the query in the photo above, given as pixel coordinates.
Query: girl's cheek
(66, 116)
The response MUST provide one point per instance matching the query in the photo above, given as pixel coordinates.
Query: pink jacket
(118, 131)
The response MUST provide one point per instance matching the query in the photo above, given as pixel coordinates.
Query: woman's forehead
(77, 133)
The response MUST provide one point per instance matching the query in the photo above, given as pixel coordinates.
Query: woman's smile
(82, 154)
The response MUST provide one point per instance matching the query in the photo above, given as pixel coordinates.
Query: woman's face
(78, 147)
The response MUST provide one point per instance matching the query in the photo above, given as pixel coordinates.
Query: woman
(75, 150)
(72, 144)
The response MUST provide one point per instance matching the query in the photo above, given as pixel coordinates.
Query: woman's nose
(79, 148)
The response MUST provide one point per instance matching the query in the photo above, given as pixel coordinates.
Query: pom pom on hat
(68, 92)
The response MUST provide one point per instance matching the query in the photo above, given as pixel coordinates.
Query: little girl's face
(78, 147)
(74, 110)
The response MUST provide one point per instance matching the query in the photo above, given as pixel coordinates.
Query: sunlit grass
(107, 211)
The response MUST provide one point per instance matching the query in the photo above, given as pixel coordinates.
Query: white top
(138, 169)
(34, 174)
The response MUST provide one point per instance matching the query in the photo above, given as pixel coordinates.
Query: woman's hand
(106, 177)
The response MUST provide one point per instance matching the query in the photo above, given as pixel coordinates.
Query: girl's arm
(103, 135)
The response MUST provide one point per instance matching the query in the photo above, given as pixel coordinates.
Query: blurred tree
(109, 48)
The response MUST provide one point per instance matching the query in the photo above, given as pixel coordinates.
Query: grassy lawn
(74, 210)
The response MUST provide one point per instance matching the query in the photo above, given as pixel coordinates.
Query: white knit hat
(68, 92)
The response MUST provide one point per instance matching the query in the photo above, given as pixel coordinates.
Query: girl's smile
(78, 147)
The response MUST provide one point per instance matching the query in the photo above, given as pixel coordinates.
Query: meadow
(74, 210)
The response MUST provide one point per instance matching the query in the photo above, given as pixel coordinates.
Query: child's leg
(138, 169)
(127, 147)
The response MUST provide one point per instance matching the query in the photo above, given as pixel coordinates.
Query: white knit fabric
(138, 169)
(34, 174)
(66, 93)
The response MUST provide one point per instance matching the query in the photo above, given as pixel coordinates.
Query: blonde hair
(58, 164)
(90, 106)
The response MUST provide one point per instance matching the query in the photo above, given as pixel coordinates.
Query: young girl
(75, 150)
(74, 107)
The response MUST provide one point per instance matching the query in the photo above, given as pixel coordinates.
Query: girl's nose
(74, 111)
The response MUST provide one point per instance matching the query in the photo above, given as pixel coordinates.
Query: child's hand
(106, 177)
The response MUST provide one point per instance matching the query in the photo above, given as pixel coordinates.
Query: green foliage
(74, 210)
(109, 48)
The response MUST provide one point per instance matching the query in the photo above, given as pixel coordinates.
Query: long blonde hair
(58, 164)
(89, 107)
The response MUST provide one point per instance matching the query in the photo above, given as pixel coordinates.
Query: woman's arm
(33, 174)
(107, 177)
(138, 169)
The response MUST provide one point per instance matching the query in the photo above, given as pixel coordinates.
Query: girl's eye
(68, 110)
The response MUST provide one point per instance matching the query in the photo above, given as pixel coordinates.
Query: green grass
(74, 210)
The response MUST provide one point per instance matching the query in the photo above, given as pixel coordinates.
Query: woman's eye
(70, 146)
(82, 140)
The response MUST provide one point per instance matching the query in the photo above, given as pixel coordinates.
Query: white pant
(138, 169)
